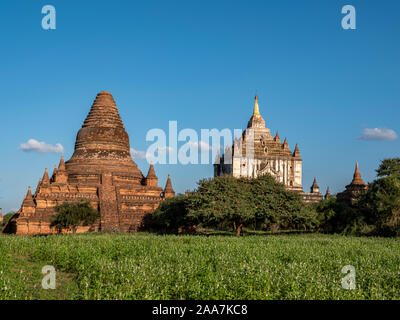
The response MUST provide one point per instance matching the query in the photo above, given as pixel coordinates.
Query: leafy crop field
(148, 266)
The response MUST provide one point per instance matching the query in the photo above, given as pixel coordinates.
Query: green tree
(375, 211)
(222, 201)
(171, 214)
(6, 218)
(337, 217)
(243, 202)
(389, 168)
(73, 214)
(380, 205)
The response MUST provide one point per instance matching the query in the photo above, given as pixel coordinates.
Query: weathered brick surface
(102, 171)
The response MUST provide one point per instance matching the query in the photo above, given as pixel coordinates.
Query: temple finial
(45, 179)
(314, 187)
(256, 111)
(296, 152)
(357, 176)
(285, 144)
(328, 193)
(277, 139)
(29, 194)
(151, 173)
(168, 190)
(28, 200)
(61, 165)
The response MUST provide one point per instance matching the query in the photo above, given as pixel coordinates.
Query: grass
(149, 266)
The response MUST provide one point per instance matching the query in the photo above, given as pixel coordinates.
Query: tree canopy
(233, 203)
(389, 167)
(376, 211)
(227, 203)
(73, 214)
(6, 218)
(380, 205)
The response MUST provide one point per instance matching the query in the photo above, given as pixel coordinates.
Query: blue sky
(200, 63)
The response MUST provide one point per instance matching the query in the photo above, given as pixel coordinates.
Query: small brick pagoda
(356, 186)
(102, 171)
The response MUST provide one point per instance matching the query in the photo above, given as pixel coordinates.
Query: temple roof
(102, 144)
(45, 179)
(38, 185)
(256, 120)
(265, 145)
(28, 200)
(151, 174)
(357, 180)
(168, 185)
(285, 145)
(296, 152)
(61, 165)
(104, 112)
(328, 192)
(277, 139)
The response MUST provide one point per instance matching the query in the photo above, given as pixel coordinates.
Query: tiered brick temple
(356, 186)
(257, 152)
(102, 171)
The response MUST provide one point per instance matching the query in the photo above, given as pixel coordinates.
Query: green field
(148, 266)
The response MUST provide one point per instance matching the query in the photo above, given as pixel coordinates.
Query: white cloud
(41, 147)
(378, 134)
(201, 145)
(165, 149)
(137, 154)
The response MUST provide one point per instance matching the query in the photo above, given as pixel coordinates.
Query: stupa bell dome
(102, 144)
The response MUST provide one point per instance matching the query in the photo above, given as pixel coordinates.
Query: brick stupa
(102, 171)
(356, 186)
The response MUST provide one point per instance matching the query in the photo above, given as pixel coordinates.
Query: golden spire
(256, 111)
(256, 120)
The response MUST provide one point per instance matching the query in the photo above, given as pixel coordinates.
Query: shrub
(171, 215)
(73, 214)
